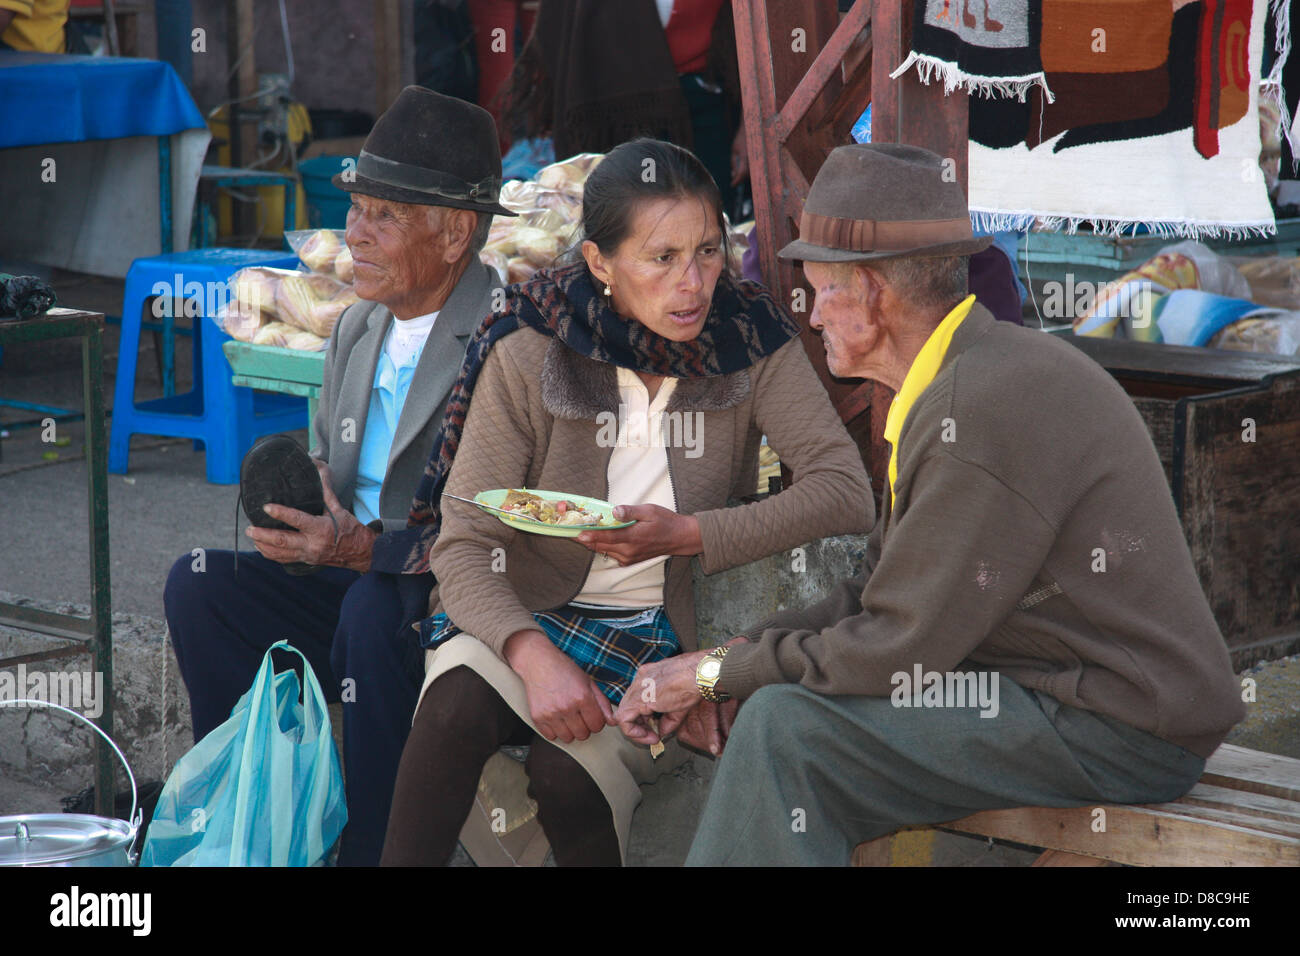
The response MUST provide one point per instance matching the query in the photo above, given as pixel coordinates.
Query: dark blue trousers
(344, 623)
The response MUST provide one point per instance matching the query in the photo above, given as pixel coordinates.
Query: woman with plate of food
(642, 374)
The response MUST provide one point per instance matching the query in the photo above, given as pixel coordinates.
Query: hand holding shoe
(335, 538)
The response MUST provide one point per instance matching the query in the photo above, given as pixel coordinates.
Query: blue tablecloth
(48, 98)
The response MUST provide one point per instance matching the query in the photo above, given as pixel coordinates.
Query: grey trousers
(805, 778)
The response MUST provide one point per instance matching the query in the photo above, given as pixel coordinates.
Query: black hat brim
(371, 187)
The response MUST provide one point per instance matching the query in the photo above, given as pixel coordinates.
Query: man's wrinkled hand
(665, 687)
(335, 538)
(707, 725)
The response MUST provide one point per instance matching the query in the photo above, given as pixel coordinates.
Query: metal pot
(69, 839)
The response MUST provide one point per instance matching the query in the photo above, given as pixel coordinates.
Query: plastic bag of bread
(320, 249)
(568, 175)
(274, 333)
(299, 293)
(548, 220)
(518, 195)
(498, 261)
(518, 269)
(344, 268)
(325, 315)
(536, 245)
(255, 288)
(239, 322)
(304, 341)
(569, 205)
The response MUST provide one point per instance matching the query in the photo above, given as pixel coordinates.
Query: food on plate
(535, 508)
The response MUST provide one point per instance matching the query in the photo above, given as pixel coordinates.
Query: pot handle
(134, 819)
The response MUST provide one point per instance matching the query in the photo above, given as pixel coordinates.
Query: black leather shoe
(277, 470)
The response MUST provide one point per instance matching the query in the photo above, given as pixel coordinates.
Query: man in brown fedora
(1027, 628)
(424, 191)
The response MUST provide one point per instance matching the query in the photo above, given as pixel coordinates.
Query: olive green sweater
(1033, 534)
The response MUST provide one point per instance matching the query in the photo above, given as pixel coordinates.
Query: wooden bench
(1244, 812)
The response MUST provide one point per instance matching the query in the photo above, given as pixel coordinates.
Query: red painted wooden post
(798, 106)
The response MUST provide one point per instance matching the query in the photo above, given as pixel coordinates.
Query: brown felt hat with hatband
(431, 149)
(880, 201)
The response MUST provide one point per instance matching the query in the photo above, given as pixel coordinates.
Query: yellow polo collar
(918, 379)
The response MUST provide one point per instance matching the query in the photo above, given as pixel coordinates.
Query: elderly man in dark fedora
(424, 192)
(1027, 627)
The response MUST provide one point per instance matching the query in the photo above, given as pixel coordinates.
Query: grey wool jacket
(350, 363)
(535, 422)
(1032, 534)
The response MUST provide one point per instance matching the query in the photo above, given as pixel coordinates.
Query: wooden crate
(1239, 500)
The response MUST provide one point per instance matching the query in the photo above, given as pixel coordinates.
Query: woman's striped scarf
(744, 325)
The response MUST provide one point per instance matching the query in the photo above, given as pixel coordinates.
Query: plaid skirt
(608, 649)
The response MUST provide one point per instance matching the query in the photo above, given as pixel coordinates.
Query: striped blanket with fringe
(1124, 115)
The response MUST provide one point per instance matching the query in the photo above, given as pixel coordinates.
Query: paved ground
(160, 509)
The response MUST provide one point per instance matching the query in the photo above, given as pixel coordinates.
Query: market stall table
(95, 633)
(99, 160)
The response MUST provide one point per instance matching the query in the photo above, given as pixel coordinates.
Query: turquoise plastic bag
(263, 789)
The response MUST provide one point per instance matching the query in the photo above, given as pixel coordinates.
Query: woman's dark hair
(638, 171)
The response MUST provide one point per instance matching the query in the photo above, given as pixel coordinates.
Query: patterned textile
(985, 46)
(1148, 116)
(744, 325)
(609, 649)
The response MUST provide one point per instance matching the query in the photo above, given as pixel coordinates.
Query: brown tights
(460, 723)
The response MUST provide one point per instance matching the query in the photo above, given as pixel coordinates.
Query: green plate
(495, 497)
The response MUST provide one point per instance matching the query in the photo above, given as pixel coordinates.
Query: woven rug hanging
(1124, 115)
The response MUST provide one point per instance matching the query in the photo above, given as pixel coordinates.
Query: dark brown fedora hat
(430, 149)
(882, 200)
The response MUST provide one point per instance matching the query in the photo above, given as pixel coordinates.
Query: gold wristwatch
(706, 675)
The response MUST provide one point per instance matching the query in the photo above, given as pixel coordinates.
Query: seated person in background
(33, 25)
(1027, 629)
(389, 367)
(644, 375)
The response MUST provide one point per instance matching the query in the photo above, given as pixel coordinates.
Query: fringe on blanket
(1271, 85)
(929, 68)
(989, 221)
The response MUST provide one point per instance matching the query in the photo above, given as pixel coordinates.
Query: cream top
(638, 474)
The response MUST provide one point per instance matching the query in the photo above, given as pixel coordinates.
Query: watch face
(710, 669)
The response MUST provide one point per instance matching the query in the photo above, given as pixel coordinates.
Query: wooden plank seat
(274, 369)
(1245, 811)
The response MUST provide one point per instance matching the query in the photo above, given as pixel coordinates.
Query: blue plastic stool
(225, 419)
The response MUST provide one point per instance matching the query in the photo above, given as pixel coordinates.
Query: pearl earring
(608, 290)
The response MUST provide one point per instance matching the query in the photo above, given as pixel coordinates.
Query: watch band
(708, 687)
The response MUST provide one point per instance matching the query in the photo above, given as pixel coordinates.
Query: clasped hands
(565, 704)
(339, 541)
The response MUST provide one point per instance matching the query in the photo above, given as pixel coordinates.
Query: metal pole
(101, 601)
